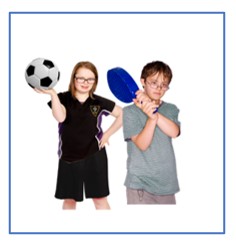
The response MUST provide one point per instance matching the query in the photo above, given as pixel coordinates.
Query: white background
(191, 45)
(111, 40)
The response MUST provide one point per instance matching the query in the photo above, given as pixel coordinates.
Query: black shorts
(89, 174)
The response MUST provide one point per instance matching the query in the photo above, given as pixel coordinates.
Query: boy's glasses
(154, 85)
(81, 80)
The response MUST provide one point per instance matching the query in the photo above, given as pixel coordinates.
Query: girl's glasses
(81, 80)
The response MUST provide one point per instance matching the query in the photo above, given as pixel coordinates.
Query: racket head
(121, 84)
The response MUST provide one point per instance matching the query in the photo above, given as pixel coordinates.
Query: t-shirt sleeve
(107, 104)
(62, 98)
(131, 123)
(173, 114)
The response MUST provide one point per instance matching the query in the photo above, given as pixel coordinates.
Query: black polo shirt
(80, 133)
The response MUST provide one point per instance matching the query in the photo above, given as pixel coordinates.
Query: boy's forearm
(169, 127)
(144, 138)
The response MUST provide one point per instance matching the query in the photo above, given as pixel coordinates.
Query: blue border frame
(224, 120)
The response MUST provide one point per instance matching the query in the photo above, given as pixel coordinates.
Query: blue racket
(122, 85)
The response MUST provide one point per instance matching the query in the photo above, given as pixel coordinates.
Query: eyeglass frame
(84, 79)
(154, 85)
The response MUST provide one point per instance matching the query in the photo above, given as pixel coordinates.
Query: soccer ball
(42, 74)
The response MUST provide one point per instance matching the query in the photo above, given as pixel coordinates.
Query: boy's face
(155, 86)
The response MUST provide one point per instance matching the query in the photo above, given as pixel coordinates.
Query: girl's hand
(44, 91)
(104, 140)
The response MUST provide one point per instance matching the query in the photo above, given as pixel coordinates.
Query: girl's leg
(69, 204)
(101, 203)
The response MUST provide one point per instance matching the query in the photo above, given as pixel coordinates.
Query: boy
(151, 168)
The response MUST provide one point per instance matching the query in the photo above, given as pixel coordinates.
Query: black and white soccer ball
(42, 74)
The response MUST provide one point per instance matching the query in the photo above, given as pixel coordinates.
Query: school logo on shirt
(95, 110)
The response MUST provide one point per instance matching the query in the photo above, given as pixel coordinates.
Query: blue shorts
(89, 175)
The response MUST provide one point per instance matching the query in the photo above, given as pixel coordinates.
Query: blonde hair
(92, 68)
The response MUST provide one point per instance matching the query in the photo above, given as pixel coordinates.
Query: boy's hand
(141, 96)
(148, 108)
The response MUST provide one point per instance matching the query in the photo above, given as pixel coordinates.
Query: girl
(82, 155)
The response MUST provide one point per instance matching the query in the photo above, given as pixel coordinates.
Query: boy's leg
(101, 203)
(69, 204)
(143, 197)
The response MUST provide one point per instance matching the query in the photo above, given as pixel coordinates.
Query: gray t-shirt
(153, 170)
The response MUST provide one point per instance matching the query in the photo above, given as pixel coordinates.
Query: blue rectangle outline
(224, 122)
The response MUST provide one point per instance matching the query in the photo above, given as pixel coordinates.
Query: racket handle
(156, 110)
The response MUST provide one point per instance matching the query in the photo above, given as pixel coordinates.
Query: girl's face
(155, 86)
(84, 80)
